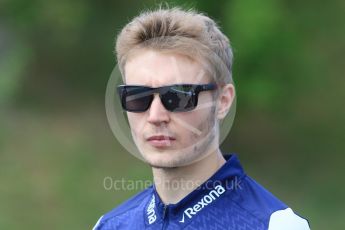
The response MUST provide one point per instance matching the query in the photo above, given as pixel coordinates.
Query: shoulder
(262, 204)
(286, 219)
(254, 198)
(133, 203)
(127, 210)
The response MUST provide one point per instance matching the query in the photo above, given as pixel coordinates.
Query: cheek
(201, 121)
(135, 122)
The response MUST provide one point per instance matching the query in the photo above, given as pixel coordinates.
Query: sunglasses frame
(195, 90)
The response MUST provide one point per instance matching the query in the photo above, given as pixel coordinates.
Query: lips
(160, 137)
(161, 140)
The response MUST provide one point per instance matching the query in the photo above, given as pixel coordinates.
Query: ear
(225, 100)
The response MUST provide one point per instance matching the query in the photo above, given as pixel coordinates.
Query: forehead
(156, 68)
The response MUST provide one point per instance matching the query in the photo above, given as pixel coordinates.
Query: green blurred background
(56, 147)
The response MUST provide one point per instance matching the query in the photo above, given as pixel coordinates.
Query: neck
(173, 184)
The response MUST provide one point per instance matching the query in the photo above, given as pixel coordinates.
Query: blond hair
(184, 31)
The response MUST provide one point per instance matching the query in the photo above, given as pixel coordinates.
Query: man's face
(171, 139)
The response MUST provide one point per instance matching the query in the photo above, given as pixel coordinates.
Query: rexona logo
(151, 214)
(206, 200)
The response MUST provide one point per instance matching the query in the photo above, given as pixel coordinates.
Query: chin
(168, 159)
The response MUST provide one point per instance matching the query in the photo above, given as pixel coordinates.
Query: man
(176, 66)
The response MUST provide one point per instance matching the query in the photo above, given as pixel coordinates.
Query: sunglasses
(175, 98)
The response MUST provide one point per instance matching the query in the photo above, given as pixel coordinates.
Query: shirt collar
(225, 176)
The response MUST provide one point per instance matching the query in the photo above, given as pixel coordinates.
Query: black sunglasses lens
(175, 98)
(179, 98)
(136, 98)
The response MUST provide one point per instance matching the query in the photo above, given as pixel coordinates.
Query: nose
(157, 112)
